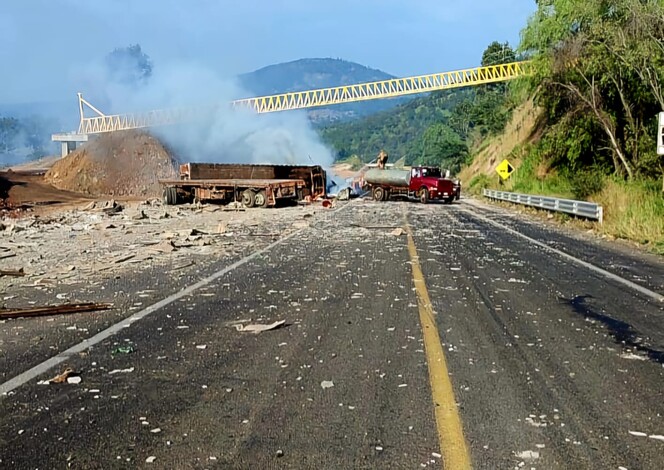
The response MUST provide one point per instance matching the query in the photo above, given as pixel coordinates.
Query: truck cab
(429, 182)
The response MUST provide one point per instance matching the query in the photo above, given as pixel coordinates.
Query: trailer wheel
(379, 194)
(170, 196)
(248, 198)
(261, 199)
(424, 195)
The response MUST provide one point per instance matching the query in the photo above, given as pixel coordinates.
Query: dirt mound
(117, 164)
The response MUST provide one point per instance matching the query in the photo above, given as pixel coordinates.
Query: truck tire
(248, 198)
(261, 198)
(378, 194)
(424, 195)
(170, 196)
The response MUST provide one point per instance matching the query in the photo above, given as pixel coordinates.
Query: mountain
(308, 74)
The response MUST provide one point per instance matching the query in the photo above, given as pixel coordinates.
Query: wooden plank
(52, 310)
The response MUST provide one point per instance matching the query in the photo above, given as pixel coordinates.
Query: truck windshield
(431, 172)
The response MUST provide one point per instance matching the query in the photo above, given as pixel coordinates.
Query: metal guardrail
(585, 209)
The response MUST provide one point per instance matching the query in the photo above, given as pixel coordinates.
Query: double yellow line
(453, 446)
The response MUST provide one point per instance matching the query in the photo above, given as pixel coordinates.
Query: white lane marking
(614, 277)
(43, 367)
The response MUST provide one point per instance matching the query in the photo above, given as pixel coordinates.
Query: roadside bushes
(478, 183)
(587, 183)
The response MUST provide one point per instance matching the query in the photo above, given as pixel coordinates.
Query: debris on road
(633, 357)
(123, 258)
(12, 272)
(52, 310)
(528, 455)
(166, 246)
(326, 384)
(121, 371)
(397, 232)
(140, 215)
(257, 328)
(656, 437)
(123, 350)
(68, 375)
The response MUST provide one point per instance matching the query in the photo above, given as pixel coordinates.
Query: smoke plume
(218, 133)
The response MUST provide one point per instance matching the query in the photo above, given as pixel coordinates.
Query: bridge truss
(101, 123)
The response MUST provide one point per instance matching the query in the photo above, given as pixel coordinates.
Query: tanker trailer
(423, 183)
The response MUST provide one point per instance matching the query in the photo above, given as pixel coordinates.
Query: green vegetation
(634, 211)
(437, 129)
(478, 183)
(599, 68)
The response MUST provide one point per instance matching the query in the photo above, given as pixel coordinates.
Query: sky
(47, 46)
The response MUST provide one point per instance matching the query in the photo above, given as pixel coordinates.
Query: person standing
(382, 159)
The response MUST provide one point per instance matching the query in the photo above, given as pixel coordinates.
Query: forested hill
(309, 74)
(399, 131)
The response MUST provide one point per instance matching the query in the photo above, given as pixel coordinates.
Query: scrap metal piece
(52, 310)
(12, 272)
(260, 328)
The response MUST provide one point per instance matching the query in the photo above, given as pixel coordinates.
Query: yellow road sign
(505, 169)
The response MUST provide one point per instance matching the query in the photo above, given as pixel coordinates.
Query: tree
(498, 53)
(605, 59)
(9, 132)
(442, 146)
(129, 65)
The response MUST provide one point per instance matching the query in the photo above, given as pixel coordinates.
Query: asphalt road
(551, 364)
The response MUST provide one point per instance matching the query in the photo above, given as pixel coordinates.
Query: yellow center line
(453, 446)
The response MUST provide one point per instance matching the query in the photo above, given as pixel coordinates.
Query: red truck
(423, 182)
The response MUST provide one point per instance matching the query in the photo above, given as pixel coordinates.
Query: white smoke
(219, 133)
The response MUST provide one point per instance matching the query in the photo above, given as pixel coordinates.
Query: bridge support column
(67, 148)
(69, 142)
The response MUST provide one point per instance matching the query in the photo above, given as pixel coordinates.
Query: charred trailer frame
(253, 185)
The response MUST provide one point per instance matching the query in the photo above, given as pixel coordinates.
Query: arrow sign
(505, 169)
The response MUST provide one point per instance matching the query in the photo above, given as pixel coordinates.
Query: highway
(415, 336)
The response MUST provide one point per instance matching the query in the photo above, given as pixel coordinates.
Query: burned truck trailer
(252, 185)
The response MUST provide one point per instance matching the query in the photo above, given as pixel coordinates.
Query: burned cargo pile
(117, 164)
